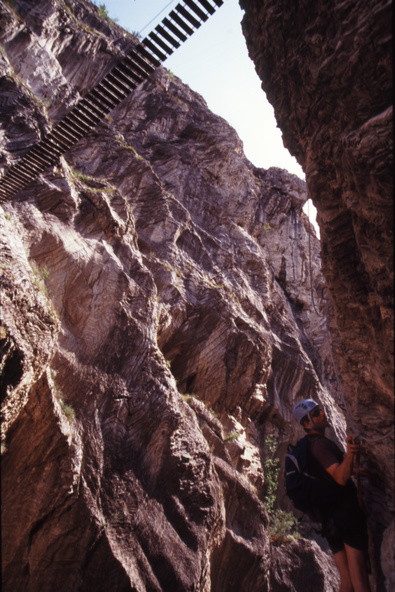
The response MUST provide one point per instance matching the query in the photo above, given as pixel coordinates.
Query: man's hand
(341, 472)
(353, 445)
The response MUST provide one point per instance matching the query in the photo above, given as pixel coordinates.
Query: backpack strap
(294, 460)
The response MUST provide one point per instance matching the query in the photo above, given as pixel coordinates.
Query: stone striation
(326, 68)
(157, 324)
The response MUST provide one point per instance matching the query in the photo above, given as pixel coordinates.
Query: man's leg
(357, 568)
(342, 566)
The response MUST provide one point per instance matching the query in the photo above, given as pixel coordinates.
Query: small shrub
(231, 437)
(67, 409)
(103, 11)
(271, 470)
(283, 527)
(83, 176)
(134, 33)
(40, 275)
(188, 396)
(282, 524)
(69, 412)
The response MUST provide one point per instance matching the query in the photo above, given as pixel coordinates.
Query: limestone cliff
(157, 324)
(327, 69)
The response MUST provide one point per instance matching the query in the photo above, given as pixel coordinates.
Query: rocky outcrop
(158, 324)
(326, 68)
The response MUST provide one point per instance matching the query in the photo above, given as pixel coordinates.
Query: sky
(214, 62)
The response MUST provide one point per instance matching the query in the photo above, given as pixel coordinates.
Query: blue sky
(214, 62)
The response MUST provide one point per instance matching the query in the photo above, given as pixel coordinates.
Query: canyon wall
(326, 68)
(157, 325)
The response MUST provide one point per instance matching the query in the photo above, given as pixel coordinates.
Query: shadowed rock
(326, 68)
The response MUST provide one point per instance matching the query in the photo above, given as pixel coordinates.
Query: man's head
(308, 413)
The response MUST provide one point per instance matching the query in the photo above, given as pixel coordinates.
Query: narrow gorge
(165, 303)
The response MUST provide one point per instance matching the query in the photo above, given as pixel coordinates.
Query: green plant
(40, 275)
(212, 282)
(231, 437)
(121, 142)
(283, 527)
(82, 176)
(103, 11)
(134, 33)
(69, 412)
(86, 179)
(67, 409)
(271, 470)
(79, 23)
(188, 396)
(282, 524)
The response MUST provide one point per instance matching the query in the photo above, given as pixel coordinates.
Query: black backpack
(308, 485)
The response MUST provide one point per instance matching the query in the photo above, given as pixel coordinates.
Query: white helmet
(303, 408)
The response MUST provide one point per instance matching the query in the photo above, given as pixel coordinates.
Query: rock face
(326, 68)
(157, 325)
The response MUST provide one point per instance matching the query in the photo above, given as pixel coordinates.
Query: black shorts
(345, 525)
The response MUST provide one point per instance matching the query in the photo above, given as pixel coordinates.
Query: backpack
(310, 488)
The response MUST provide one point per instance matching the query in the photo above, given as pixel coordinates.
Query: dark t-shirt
(326, 452)
(343, 521)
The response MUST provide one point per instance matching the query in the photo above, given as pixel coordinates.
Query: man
(343, 522)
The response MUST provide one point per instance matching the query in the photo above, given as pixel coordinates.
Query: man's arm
(341, 472)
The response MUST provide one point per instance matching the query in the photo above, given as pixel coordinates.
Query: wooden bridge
(131, 71)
